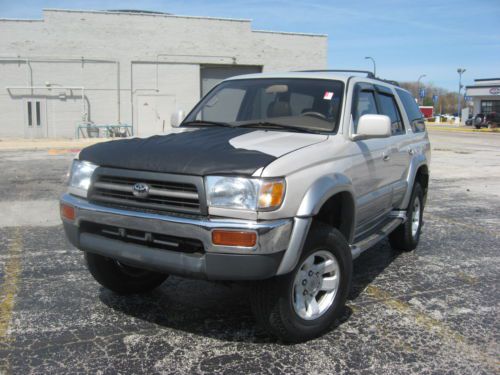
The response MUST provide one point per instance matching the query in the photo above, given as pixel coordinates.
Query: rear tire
(406, 236)
(120, 278)
(284, 305)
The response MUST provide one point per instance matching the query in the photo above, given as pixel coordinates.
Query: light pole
(460, 71)
(418, 87)
(374, 66)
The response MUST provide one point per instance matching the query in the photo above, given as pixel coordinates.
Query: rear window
(414, 115)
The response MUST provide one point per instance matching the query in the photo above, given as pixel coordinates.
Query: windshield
(302, 104)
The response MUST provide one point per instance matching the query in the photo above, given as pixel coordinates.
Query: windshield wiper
(209, 123)
(274, 125)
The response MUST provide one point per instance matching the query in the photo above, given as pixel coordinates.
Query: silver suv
(279, 179)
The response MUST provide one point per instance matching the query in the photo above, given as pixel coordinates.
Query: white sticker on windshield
(328, 95)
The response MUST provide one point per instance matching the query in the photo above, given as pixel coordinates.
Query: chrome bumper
(272, 236)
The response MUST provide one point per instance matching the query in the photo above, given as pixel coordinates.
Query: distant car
(470, 120)
(490, 120)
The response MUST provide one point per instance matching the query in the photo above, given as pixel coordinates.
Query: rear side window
(389, 108)
(366, 105)
(414, 115)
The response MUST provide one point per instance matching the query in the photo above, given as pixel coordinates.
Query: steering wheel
(314, 114)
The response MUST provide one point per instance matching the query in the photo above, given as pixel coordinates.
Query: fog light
(67, 212)
(234, 238)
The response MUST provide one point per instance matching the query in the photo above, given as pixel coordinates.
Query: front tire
(303, 304)
(406, 236)
(121, 278)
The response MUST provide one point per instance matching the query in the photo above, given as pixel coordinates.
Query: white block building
(131, 68)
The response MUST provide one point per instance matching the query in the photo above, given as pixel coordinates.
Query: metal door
(35, 118)
(153, 114)
(212, 75)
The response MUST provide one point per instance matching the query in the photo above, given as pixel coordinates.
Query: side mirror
(176, 118)
(373, 126)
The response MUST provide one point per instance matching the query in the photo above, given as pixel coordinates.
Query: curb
(462, 130)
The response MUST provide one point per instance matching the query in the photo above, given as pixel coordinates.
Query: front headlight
(80, 177)
(244, 193)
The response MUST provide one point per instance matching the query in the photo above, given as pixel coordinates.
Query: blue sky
(406, 38)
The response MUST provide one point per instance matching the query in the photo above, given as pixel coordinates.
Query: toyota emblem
(140, 190)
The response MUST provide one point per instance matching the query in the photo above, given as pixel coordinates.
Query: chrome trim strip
(273, 236)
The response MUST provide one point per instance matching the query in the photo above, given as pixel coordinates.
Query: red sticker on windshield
(328, 95)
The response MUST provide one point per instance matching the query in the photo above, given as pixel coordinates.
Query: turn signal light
(271, 194)
(67, 212)
(234, 238)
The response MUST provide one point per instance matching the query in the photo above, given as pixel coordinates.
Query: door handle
(411, 151)
(386, 156)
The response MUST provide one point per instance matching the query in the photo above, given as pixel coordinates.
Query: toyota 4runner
(278, 179)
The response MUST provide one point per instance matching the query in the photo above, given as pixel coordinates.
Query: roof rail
(395, 83)
(368, 73)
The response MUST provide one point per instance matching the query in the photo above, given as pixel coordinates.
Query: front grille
(167, 193)
(156, 240)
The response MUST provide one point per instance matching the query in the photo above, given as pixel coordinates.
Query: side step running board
(398, 217)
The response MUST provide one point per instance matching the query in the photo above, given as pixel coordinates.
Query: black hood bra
(201, 152)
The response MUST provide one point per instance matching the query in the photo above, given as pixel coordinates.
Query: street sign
(467, 98)
(422, 93)
(435, 98)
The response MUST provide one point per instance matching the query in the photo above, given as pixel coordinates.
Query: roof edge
(290, 33)
(486, 79)
(22, 19)
(482, 87)
(144, 14)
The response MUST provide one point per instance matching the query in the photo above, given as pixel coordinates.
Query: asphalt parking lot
(435, 310)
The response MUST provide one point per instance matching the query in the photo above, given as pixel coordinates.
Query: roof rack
(368, 73)
(395, 83)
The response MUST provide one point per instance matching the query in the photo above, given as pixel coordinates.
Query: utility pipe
(84, 113)
(81, 60)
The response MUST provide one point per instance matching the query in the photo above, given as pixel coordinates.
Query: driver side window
(364, 105)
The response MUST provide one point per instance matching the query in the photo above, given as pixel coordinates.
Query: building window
(489, 106)
(38, 117)
(30, 118)
(34, 113)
